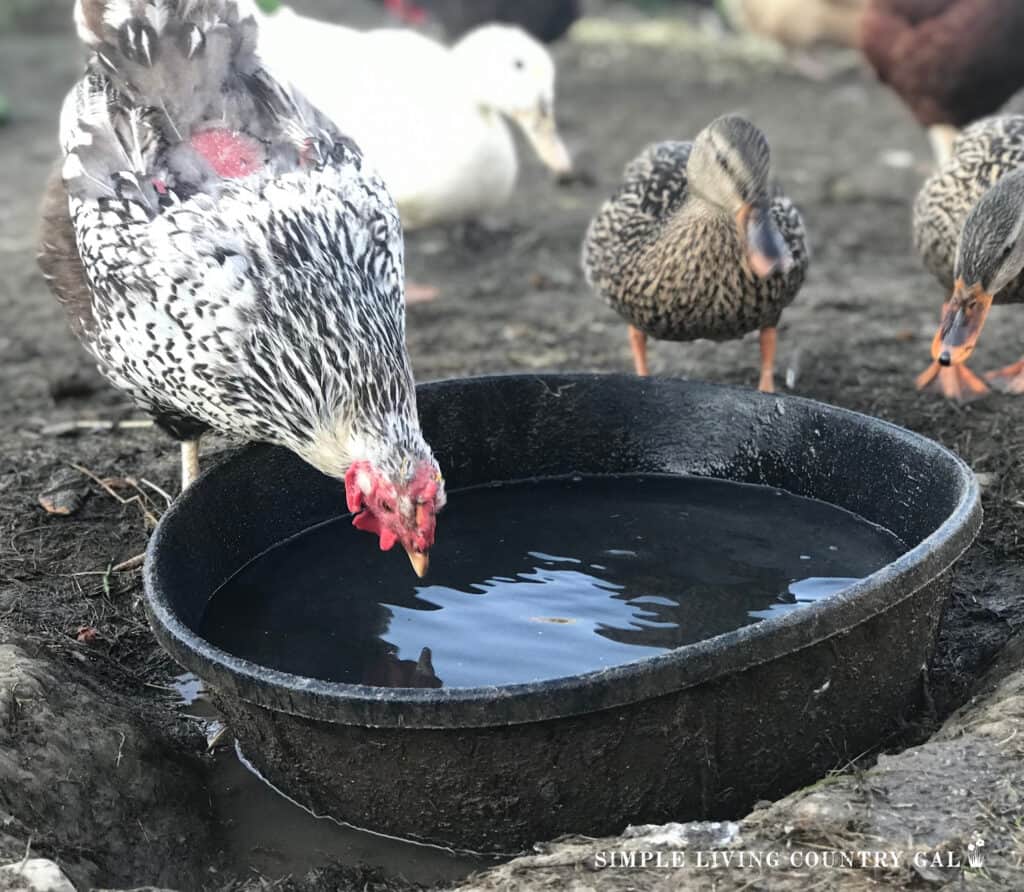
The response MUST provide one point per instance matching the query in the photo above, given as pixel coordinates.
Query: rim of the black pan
(415, 707)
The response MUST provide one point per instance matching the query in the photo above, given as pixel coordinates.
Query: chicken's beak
(420, 561)
(542, 132)
(765, 248)
(962, 320)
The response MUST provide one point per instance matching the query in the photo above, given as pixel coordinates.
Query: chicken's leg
(189, 462)
(638, 343)
(769, 339)
(1009, 379)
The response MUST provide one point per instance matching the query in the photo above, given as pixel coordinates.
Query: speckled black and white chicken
(697, 243)
(969, 231)
(231, 263)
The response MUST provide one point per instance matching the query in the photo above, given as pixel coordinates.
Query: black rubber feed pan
(704, 730)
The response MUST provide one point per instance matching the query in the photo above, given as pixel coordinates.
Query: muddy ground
(97, 768)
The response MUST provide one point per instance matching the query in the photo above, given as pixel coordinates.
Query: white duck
(430, 118)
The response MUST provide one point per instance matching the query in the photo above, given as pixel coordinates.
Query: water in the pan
(543, 579)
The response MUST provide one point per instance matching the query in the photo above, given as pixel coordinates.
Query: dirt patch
(512, 298)
(83, 778)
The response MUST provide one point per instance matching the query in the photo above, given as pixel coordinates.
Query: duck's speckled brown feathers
(672, 265)
(982, 154)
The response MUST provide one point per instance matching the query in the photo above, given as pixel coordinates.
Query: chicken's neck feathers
(392, 444)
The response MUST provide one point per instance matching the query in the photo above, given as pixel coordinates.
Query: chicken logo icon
(975, 857)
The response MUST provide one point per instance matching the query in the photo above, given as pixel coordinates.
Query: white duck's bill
(542, 132)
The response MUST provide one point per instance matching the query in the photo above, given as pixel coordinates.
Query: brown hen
(951, 61)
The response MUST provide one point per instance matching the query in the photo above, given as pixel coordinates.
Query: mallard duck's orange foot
(954, 382)
(769, 340)
(420, 294)
(1008, 380)
(638, 344)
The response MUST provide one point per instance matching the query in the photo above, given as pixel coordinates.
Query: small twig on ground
(28, 852)
(134, 483)
(215, 740)
(120, 750)
(63, 428)
(129, 565)
(138, 499)
(167, 497)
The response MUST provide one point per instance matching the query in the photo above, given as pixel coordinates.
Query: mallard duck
(695, 243)
(231, 263)
(969, 230)
(951, 61)
(432, 120)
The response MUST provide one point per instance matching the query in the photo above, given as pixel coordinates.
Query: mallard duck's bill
(420, 561)
(962, 321)
(542, 132)
(765, 247)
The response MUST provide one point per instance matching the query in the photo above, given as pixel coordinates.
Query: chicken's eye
(387, 507)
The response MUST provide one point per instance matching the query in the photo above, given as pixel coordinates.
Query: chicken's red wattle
(368, 523)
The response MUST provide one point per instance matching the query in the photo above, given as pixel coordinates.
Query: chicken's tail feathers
(102, 22)
(176, 100)
(188, 58)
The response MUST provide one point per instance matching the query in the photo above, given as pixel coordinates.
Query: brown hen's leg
(769, 339)
(1008, 380)
(942, 137)
(954, 382)
(638, 343)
